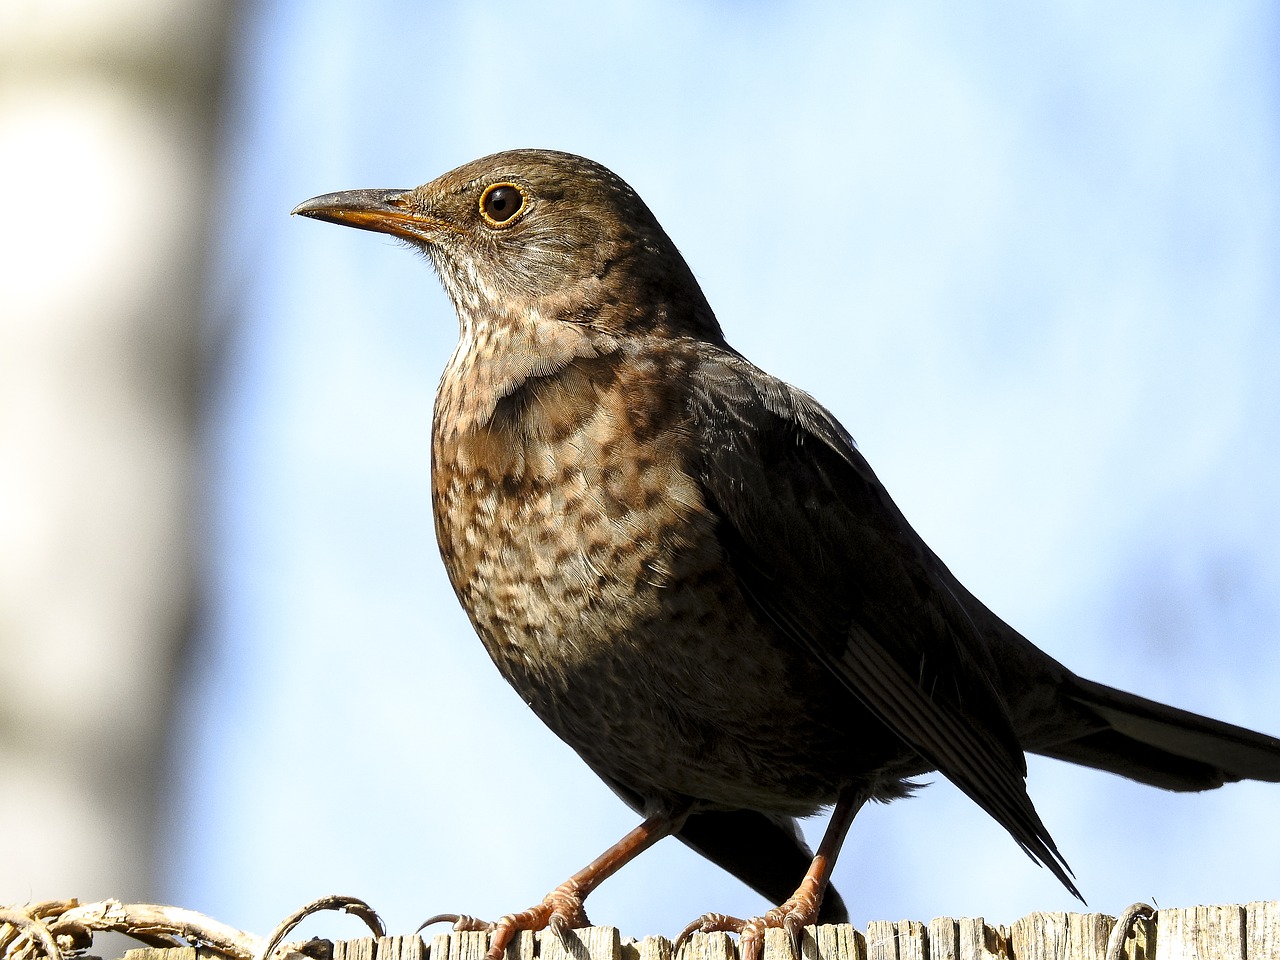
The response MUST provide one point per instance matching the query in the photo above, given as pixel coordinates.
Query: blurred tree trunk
(110, 115)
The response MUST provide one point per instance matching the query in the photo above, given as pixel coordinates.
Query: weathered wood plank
(1041, 936)
(708, 946)
(470, 945)
(913, 940)
(653, 948)
(904, 940)
(944, 939)
(1061, 936)
(979, 941)
(1201, 933)
(160, 953)
(1249, 932)
(592, 943)
(1262, 930)
(882, 940)
(401, 948)
(838, 941)
(362, 948)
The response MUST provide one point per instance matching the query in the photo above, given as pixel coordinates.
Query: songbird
(691, 574)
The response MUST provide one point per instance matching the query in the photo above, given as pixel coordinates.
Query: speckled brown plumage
(567, 523)
(689, 572)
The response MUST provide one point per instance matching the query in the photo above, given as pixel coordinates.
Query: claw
(438, 918)
(795, 931)
(751, 939)
(560, 911)
(561, 927)
(460, 922)
(791, 917)
(708, 923)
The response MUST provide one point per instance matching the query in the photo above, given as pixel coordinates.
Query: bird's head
(539, 233)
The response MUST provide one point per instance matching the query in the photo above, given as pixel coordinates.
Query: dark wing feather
(822, 551)
(767, 853)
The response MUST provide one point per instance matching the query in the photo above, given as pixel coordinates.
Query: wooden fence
(1250, 932)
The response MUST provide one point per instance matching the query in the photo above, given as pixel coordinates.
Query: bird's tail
(1162, 745)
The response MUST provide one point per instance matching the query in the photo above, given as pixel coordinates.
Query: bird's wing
(822, 552)
(766, 853)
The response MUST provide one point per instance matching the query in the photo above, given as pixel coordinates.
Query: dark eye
(500, 203)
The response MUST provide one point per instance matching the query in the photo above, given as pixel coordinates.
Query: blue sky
(1026, 254)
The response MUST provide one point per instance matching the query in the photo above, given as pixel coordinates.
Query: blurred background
(1028, 255)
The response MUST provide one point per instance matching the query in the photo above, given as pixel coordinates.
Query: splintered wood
(1249, 932)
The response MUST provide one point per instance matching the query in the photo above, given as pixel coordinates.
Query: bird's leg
(801, 908)
(561, 910)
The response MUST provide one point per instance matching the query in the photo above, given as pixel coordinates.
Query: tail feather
(1163, 746)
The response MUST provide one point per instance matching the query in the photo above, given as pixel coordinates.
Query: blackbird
(690, 573)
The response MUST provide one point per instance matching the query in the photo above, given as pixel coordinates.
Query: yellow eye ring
(501, 204)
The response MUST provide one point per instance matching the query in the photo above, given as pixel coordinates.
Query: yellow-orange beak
(383, 211)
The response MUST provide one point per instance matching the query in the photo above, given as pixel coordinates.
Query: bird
(691, 574)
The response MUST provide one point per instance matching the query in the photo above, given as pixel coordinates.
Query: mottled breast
(588, 561)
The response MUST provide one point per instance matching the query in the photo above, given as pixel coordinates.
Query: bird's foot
(792, 916)
(560, 911)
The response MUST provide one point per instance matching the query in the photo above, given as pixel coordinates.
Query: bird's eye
(501, 203)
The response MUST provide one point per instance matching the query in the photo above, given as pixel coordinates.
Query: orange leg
(801, 909)
(561, 910)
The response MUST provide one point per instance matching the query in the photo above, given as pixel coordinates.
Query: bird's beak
(385, 211)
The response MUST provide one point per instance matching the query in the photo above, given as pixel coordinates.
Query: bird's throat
(498, 357)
